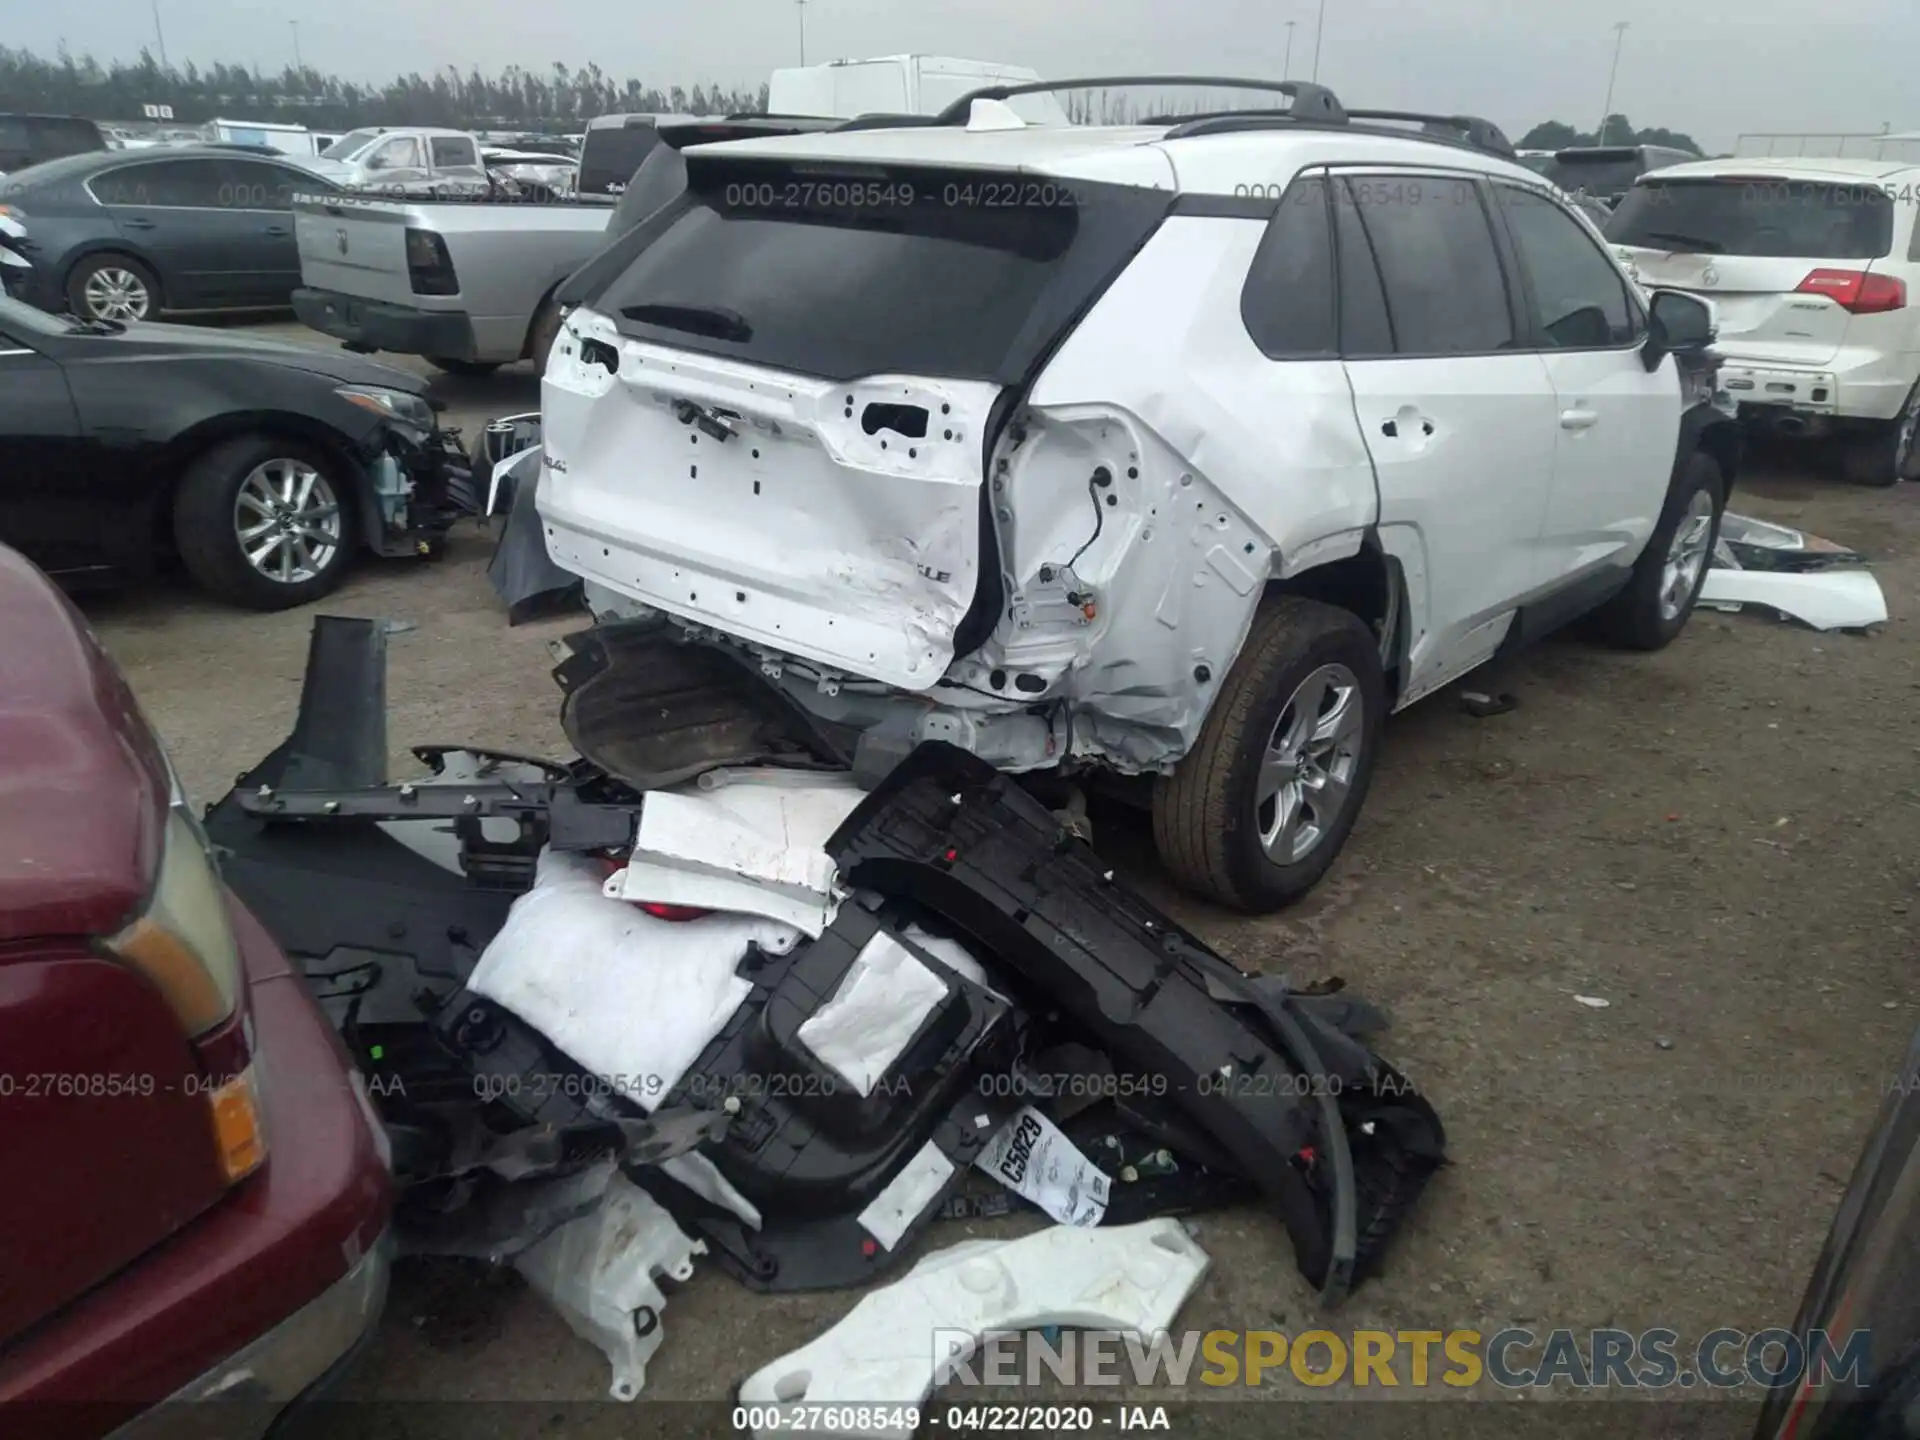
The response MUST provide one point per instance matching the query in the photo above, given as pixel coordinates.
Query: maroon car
(197, 1192)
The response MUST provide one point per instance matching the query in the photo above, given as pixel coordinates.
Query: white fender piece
(1823, 599)
(1127, 1279)
(599, 1273)
(751, 841)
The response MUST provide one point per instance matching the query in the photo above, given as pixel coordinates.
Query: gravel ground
(1717, 840)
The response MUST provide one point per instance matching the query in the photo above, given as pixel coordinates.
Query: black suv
(28, 139)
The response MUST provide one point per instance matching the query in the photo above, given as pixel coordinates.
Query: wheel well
(526, 343)
(1366, 584)
(191, 444)
(1725, 442)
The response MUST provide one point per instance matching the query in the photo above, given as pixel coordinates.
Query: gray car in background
(129, 234)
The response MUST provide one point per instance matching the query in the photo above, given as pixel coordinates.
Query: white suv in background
(1187, 450)
(1813, 267)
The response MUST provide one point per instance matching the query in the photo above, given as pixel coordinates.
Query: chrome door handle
(1579, 419)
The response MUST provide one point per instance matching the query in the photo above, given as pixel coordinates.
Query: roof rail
(1481, 134)
(1311, 102)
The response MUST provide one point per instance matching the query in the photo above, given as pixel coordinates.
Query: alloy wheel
(1306, 775)
(1686, 556)
(113, 293)
(287, 521)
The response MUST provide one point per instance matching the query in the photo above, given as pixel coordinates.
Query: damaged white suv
(1185, 450)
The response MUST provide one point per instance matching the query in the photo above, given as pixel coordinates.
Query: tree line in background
(1615, 130)
(516, 98)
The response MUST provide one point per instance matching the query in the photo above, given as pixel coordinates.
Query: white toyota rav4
(1185, 450)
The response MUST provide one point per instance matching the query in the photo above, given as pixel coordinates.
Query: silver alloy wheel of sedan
(287, 521)
(1307, 772)
(115, 293)
(1686, 556)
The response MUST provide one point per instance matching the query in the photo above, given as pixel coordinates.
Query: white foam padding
(886, 1353)
(882, 1001)
(631, 998)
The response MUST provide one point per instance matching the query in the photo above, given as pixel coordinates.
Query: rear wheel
(1891, 453)
(472, 369)
(1257, 811)
(113, 287)
(1654, 606)
(265, 523)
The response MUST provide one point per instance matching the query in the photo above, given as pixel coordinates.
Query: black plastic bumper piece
(1335, 1138)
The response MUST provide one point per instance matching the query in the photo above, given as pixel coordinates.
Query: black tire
(544, 334)
(206, 530)
(1207, 814)
(1890, 453)
(92, 265)
(1634, 619)
(467, 369)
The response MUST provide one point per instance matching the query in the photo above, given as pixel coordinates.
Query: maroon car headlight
(183, 942)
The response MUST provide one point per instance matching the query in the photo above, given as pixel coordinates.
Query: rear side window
(1775, 219)
(962, 274)
(1445, 293)
(1581, 297)
(262, 185)
(451, 150)
(180, 184)
(1287, 303)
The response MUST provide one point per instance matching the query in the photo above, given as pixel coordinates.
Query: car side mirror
(1677, 324)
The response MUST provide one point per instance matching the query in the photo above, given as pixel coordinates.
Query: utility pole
(1606, 110)
(801, 6)
(1286, 68)
(1319, 29)
(298, 63)
(160, 35)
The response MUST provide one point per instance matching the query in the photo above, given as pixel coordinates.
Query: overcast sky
(1709, 67)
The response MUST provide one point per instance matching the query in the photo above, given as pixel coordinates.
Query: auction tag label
(1032, 1158)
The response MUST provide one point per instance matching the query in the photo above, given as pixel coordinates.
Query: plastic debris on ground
(601, 1273)
(904, 1339)
(1784, 571)
(847, 1015)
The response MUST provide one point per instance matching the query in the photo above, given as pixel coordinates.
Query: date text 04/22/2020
(802, 1417)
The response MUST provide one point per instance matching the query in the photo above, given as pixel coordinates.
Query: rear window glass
(449, 150)
(964, 274)
(1603, 174)
(611, 154)
(1767, 218)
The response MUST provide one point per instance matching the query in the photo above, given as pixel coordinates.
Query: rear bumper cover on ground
(379, 325)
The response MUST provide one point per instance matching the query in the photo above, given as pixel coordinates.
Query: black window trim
(1536, 320)
(1517, 315)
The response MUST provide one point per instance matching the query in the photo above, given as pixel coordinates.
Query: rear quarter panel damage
(1226, 470)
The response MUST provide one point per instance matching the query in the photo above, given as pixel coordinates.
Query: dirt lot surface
(1718, 840)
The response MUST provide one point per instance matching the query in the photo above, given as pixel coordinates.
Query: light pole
(298, 63)
(1319, 29)
(160, 35)
(801, 6)
(1286, 69)
(1606, 110)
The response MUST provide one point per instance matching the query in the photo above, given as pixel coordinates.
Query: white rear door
(1459, 416)
(781, 509)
